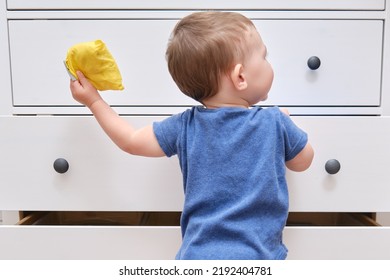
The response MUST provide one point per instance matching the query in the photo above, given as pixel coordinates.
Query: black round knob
(314, 63)
(332, 166)
(61, 165)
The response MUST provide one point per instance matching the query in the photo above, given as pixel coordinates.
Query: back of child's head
(203, 46)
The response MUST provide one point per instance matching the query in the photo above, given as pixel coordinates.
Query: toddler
(233, 155)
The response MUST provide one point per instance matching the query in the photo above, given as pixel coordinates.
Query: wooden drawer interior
(331, 219)
(97, 218)
(93, 218)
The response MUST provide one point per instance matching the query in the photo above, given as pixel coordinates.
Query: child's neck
(221, 100)
(227, 96)
(216, 106)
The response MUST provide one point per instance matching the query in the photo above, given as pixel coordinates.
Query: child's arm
(303, 160)
(138, 142)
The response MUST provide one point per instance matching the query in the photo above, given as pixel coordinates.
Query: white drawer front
(361, 145)
(100, 176)
(103, 178)
(349, 75)
(199, 4)
(337, 243)
(142, 243)
(89, 242)
(137, 45)
(350, 69)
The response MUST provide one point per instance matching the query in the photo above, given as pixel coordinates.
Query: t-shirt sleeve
(295, 139)
(167, 133)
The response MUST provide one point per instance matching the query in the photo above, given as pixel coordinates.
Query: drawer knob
(332, 166)
(314, 63)
(61, 165)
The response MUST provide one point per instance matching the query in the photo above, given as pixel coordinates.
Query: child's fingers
(74, 85)
(80, 75)
(82, 79)
(84, 82)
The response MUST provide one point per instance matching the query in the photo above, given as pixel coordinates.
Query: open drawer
(308, 236)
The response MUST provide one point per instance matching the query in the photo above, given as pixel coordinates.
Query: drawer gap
(31, 218)
(98, 218)
(331, 219)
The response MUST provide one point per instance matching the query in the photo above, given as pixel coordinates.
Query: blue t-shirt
(233, 165)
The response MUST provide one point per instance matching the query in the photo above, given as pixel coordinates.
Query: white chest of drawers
(344, 106)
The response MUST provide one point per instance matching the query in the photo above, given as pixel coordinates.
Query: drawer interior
(94, 218)
(331, 219)
(98, 218)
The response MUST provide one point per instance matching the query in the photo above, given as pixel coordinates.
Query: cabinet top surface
(199, 4)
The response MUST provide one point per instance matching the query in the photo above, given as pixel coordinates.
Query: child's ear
(238, 77)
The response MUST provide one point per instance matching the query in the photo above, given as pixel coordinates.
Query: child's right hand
(83, 91)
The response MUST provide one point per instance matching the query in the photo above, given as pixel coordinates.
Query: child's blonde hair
(202, 47)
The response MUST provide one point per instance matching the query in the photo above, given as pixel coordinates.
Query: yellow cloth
(95, 61)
